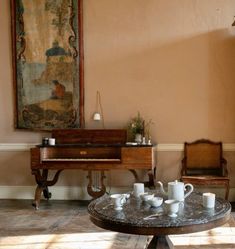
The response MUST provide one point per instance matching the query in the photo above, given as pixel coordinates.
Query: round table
(137, 217)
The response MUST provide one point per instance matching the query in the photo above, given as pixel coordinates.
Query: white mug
(138, 189)
(208, 200)
(118, 200)
(51, 141)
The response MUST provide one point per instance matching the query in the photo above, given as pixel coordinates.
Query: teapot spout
(162, 189)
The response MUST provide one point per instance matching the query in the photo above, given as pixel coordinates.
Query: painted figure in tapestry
(59, 90)
(48, 81)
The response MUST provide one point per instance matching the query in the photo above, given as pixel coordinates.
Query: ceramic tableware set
(176, 194)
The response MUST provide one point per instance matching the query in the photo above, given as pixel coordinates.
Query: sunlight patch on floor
(100, 240)
(221, 237)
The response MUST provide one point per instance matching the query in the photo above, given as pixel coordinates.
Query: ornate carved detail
(72, 38)
(151, 174)
(42, 184)
(20, 38)
(91, 192)
(135, 175)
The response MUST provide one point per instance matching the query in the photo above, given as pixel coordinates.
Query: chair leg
(227, 190)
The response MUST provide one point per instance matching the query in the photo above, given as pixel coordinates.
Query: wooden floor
(59, 225)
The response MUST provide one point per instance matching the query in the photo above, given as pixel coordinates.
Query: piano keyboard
(81, 160)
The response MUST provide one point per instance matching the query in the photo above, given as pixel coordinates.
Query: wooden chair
(203, 164)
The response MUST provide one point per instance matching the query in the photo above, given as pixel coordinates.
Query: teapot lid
(175, 182)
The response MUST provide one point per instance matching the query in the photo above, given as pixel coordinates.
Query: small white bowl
(146, 196)
(155, 201)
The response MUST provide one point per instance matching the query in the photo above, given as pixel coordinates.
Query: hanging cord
(99, 105)
(97, 102)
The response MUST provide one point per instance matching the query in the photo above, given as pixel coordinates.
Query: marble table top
(135, 214)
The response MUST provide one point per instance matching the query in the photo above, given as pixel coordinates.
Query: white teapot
(176, 190)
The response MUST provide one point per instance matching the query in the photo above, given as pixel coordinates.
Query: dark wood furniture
(135, 217)
(203, 164)
(89, 150)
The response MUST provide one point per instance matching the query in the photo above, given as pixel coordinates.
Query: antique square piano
(89, 150)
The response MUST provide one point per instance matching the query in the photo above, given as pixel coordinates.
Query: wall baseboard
(160, 147)
(80, 193)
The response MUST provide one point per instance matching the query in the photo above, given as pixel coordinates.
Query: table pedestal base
(158, 242)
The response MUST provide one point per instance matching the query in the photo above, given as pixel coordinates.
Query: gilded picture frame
(47, 53)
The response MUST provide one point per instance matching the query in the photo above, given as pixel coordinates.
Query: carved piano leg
(135, 175)
(152, 178)
(40, 179)
(46, 193)
(91, 192)
(37, 197)
(42, 185)
(151, 175)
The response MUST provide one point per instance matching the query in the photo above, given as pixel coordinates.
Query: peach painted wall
(174, 61)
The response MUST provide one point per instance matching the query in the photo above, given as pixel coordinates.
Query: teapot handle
(190, 189)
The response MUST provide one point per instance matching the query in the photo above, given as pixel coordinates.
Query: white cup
(208, 200)
(51, 141)
(172, 207)
(118, 200)
(138, 189)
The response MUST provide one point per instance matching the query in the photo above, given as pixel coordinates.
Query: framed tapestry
(47, 46)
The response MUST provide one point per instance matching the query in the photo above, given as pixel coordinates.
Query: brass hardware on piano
(92, 151)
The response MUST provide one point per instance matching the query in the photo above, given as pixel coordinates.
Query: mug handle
(123, 199)
(190, 190)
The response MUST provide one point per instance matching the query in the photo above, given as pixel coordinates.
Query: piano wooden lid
(93, 136)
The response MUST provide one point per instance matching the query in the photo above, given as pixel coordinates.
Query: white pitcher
(176, 190)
